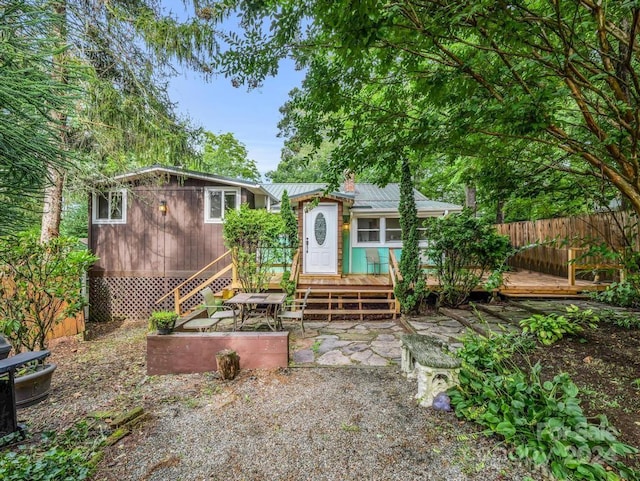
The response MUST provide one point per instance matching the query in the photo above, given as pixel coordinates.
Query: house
(154, 228)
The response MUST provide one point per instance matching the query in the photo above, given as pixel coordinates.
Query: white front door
(321, 240)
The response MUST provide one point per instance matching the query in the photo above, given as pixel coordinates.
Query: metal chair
(373, 259)
(294, 310)
(216, 312)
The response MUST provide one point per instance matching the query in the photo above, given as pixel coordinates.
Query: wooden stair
(349, 302)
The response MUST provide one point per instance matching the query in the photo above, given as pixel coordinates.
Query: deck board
(519, 282)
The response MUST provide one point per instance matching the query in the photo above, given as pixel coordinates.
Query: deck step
(362, 300)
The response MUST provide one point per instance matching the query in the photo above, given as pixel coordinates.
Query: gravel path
(320, 423)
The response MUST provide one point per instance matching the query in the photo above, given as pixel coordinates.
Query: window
(368, 230)
(392, 232)
(218, 201)
(110, 207)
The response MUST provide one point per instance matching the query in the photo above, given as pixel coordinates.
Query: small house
(161, 227)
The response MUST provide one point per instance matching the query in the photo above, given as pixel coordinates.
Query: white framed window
(392, 230)
(218, 200)
(368, 230)
(110, 207)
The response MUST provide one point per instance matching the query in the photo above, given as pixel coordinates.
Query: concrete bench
(425, 358)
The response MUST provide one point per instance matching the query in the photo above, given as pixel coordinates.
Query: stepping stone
(376, 360)
(305, 356)
(355, 347)
(386, 338)
(333, 358)
(387, 349)
(332, 344)
(361, 357)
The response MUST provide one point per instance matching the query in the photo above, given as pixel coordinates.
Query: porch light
(163, 207)
(346, 226)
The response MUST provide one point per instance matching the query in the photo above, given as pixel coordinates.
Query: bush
(552, 327)
(163, 319)
(623, 294)
(463, 249)
(542, 420)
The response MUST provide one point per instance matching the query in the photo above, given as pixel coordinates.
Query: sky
(251, 116)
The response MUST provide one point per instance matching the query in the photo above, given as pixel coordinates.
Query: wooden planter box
(185, 353)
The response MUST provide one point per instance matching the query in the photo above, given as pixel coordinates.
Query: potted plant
(40, 286)
(163, 321)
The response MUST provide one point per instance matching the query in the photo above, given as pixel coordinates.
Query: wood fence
(551, 238)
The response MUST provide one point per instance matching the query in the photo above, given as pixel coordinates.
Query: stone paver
(333, 358)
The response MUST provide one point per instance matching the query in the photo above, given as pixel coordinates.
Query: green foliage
(552, 327)
(29, 134)
(163, 319)
(543, 420)
(254, 237)
(67, 456)
(56, 464)
(626, 320)
(223, 154)
(623, 294)
(411, 290)
(290, 221)
(463, 249)
(40, 285)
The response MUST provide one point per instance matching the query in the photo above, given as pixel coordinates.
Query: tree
(27, 93)
(223, 154)
(563, 75)
(122, 111)
(412, 288)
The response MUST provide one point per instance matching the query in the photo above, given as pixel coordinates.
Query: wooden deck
(519, 283)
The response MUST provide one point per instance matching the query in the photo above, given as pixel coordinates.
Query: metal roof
(179, 171)
(367, 197)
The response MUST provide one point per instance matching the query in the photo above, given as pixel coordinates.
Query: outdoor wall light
(163, 207)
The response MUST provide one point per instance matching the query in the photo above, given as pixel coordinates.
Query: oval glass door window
(320, 229)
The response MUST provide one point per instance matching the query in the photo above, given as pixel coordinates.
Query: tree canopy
(223, 154)
(558, 80)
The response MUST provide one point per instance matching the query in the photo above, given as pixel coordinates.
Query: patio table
(272, 301)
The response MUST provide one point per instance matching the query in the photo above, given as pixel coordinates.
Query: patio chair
(216, 312)
(294, 310)
(373, 260)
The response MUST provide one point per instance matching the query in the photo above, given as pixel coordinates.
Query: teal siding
(359, 260)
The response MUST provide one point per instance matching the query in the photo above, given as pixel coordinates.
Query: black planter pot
(34, 386)
(165, 330)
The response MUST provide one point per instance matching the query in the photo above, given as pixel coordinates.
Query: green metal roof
(366, 198)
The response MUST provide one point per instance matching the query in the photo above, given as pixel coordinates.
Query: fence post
(571, 271)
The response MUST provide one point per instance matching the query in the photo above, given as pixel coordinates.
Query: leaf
(506, 429)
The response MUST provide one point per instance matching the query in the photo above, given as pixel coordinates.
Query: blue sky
(252, 116)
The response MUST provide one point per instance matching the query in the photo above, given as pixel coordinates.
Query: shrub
(40, 285)
(253, 235)
(623, 294)
(542, 420)
(552, 327)
(463, 249)
(163, 319)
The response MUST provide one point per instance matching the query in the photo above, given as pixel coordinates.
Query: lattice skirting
(134, 298)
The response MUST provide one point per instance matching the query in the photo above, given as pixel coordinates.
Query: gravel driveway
(319, 423)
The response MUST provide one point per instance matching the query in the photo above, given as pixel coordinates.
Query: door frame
(331, 229)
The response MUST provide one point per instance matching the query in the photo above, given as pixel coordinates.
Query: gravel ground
(293, 424)
(320, 424)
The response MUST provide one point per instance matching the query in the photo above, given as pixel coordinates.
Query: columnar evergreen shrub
(411, 290)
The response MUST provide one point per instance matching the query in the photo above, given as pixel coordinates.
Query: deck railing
(180, 299)
(394, 274)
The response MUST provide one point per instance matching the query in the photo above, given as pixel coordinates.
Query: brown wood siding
(150, 244)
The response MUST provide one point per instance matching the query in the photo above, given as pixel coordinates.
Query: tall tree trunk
(470, 197)
(52, 207)
(500, 211)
